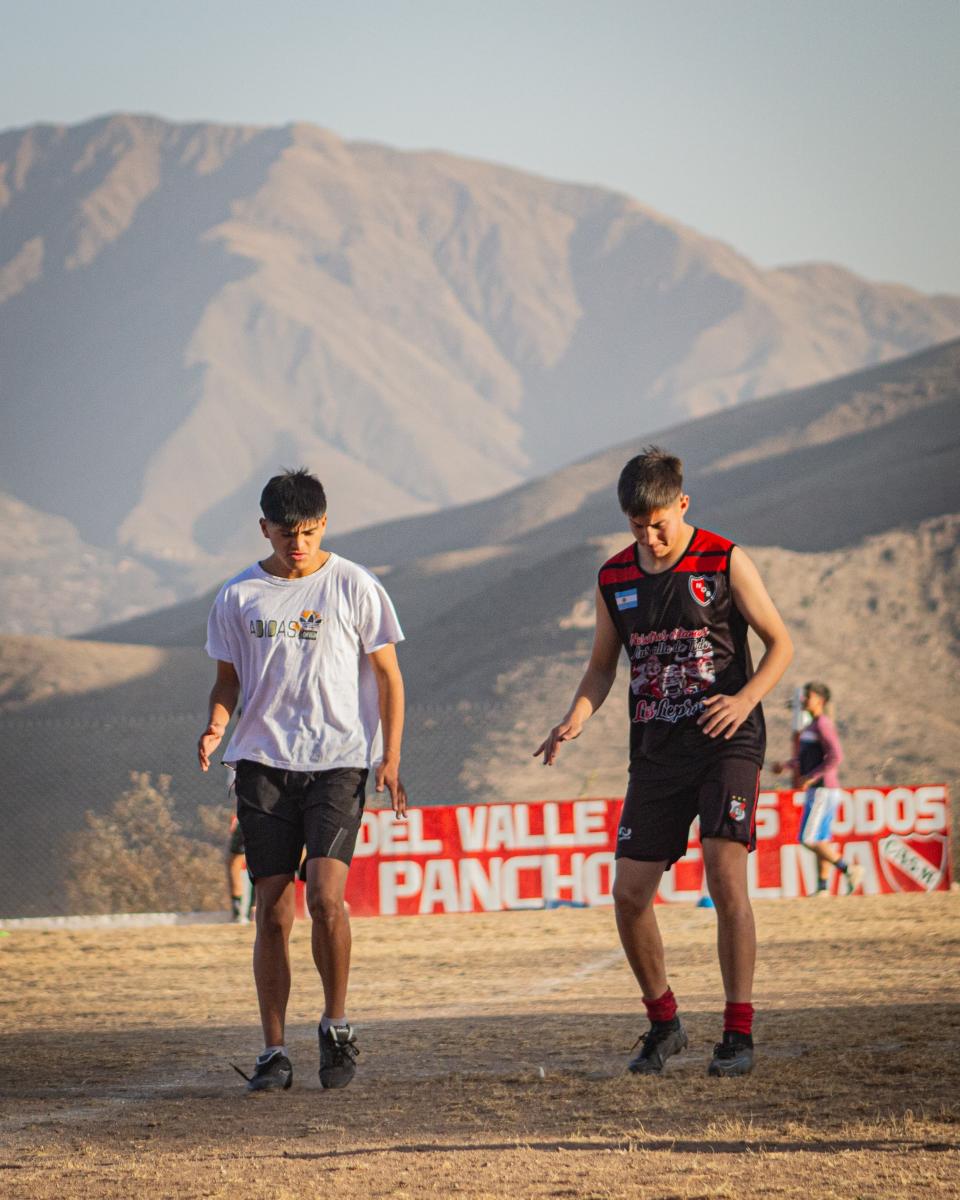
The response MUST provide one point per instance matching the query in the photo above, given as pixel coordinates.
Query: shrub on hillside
(141, 857)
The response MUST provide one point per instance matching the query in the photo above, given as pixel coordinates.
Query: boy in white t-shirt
(309, 639)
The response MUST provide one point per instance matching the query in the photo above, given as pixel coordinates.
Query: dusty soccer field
(493, 1049)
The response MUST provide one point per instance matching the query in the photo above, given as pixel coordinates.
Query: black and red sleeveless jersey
(686, 639)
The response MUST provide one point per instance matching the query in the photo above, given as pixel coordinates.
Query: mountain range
(186, 308)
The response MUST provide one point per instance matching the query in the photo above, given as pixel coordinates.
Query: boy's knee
(324, 907)
(273, 919)
(630, 900)
(729, 893)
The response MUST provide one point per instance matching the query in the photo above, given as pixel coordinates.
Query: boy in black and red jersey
(680, 601)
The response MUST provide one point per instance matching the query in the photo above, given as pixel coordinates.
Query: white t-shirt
(300, 646)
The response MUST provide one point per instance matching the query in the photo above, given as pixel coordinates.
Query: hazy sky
(794, 129)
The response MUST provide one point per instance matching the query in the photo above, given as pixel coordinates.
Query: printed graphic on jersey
(670, 669)
(703, 588)
(305, 629)
(627, 599)
(310, 623)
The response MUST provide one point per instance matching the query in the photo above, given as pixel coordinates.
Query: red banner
(489, 857)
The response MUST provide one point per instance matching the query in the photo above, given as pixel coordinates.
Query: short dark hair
(820, 689)
(292, 498)
(654, 479)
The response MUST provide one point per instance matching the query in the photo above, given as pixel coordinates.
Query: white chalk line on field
(113, 921)
(556, 982)
(145, 1090)
(501, 998)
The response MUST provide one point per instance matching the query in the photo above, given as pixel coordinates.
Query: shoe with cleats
(338, 1055)
(662, 1039)
(732, 1056)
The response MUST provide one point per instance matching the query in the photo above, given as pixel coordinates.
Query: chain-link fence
(63, 780)
(112, 813)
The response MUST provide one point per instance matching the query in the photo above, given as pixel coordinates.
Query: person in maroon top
(816, 764)
(680, 601)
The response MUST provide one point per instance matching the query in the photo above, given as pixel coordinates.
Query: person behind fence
(680, 601)
(309, 639)
(819, 755)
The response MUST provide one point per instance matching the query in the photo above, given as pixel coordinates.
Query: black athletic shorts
(660, 807)
(281, 811)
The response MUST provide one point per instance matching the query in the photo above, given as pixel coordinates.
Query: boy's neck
(654, 564)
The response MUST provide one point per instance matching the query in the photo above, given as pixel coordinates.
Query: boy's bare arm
(593, 689)
(725, 714)
(223, 700)
(386, 670)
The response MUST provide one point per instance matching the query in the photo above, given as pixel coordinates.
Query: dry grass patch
(492, 1063)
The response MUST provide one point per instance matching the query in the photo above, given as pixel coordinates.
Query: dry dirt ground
(493, 1049)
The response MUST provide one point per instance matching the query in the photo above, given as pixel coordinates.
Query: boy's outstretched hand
(566, 731)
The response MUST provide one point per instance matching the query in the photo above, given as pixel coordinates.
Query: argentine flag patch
(627, 599)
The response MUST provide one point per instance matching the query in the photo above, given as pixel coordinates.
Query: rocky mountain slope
(811, 470)
(184, 308)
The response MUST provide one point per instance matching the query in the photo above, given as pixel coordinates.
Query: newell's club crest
(738, 808)
(913, 862)
(703, 588)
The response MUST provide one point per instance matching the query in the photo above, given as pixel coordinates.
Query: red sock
(738, 1018)
(664, 1008)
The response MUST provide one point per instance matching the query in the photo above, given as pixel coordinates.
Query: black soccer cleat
(732, 1056)
(338, 1055)
(661, 1040)
(273, 1074)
